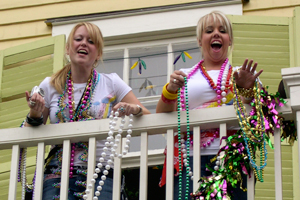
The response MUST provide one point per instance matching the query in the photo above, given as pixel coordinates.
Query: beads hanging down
(109, 150)
(182, 148)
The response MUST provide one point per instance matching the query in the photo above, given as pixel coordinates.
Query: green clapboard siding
(267, 44)
(21, 68)
(266, 190)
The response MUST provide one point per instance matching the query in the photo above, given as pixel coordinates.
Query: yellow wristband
(167, 94)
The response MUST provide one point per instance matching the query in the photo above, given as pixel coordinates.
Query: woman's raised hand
(36, 103)
(246, 76)
(176, 81)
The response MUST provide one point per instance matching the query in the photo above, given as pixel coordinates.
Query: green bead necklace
(188, 169)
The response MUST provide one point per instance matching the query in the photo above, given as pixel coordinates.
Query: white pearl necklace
(223, 83)
(185, 161)
(111, 145)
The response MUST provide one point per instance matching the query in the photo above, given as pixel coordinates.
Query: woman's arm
(165, 104)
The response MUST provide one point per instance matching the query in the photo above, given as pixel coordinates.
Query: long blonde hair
(215, 16)
(58, 79)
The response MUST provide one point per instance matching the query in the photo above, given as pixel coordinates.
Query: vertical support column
(170, 165)
(38, 187)
(144, 166)
(170, 62)
(250, 186)
(117, 173)
(64, 184)
(12, 194)
(91, 165)
(126, 66)
(278, 170)
(196, 157)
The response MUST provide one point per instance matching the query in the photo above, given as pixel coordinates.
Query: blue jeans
(238, 194)
(49, 191)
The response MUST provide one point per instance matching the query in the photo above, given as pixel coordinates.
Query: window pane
(153, 78)
(190, 48)
(112, 63)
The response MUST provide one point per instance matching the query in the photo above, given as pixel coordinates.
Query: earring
(68, 58)
(95, 64)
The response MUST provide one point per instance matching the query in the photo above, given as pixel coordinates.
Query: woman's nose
(83, 43)
(216, 33)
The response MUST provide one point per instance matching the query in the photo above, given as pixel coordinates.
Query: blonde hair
(215, 16)
(58, 79)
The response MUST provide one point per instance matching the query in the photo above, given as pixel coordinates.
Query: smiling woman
(77, 93)
(206, 84)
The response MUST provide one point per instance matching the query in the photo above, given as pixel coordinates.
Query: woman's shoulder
(46, 82)
(186, 70)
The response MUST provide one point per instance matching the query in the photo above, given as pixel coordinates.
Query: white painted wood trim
(277, 160)
(144, 166)
(15, 155)
(126, 66)
(197, 159)
(298, 125)
(91, 166)
(170, 62)
(39, 178)
(170, 168)
(64, 184)
(250, 186)
(141, 23)
(117, 173)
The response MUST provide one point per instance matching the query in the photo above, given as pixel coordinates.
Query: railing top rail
(153, 124)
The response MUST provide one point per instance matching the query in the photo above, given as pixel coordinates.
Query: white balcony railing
(165, 123)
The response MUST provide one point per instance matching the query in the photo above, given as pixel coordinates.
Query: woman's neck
(212, 65)
(80, 74)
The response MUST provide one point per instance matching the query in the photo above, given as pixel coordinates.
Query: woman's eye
(208, 31)
(222, 31)
(77, 39)
(91, 42)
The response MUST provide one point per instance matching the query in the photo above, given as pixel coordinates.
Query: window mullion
(170, 61)
(126, 66)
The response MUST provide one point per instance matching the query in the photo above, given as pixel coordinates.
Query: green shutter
(21, 68)
(266, 40)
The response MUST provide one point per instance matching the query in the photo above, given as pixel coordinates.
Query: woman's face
(82, 50)
(214, 42)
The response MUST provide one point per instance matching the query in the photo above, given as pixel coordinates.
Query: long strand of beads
(250, 136)
(113, 144)
(179, 146)
(187, 156)
(24, 172)
(185, 149)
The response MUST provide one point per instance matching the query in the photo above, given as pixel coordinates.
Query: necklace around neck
(81, 112)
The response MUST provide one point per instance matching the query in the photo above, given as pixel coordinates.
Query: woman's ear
(199, 42)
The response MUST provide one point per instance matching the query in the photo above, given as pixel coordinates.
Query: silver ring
(122, 109)
(174, 81)
(32, 103)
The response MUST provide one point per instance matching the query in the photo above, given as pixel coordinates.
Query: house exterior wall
(270, 8)
(23, 21)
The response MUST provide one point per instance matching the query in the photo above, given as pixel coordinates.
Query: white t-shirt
(200, 92)
(110, 90)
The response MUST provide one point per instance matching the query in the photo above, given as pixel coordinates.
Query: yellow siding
(270, 7)
(26, 18)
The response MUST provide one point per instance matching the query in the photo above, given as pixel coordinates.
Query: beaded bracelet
(34, 121)
(247, 93)
(168, 97)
